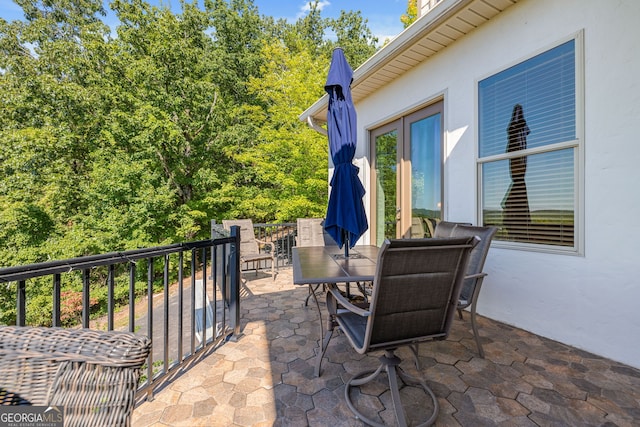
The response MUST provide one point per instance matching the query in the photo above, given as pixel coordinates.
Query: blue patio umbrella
(346, 220)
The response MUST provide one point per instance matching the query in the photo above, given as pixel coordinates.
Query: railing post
(193, 299)
(180, 303)
(21, 304)
(234, 267)
(165, 285)
(111, 307)
(86, 306)
(56, 300)
(132, 296)
(150, 358)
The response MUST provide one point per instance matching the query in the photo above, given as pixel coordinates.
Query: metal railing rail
(209, 306)
(282, 234)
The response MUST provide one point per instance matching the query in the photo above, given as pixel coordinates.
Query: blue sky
(383, 15)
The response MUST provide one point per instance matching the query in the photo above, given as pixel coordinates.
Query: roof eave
(413, 33)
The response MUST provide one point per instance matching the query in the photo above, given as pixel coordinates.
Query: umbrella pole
(346, 244)
(346, 256)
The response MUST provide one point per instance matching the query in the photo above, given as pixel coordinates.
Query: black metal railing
(192, 293)
(283, 235)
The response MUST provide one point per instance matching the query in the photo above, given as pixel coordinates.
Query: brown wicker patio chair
(414, 298)
(250, 246)
(91, 375)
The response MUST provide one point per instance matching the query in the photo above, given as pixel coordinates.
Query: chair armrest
(334, 292)
(475, 276)
(264, 242)
(107, 348)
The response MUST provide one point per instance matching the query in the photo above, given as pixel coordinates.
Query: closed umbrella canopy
(346, 220)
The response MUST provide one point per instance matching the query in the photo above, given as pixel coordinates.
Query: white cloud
(304, 9)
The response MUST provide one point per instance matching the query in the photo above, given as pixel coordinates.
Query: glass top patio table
(327, 264)
(317, 265)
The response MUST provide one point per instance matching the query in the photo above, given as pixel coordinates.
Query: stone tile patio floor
(266, 378)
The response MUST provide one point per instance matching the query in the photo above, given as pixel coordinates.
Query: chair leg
(416, 359)
(395, 395)
(408, 379)
(362, 287)
(474, 326)
(390, 363)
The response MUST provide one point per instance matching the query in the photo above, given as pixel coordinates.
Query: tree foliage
(138, 135)
(411, 14)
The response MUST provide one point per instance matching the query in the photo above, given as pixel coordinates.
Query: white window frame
(577, 145)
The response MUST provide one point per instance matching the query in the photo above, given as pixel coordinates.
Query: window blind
(531, 198)
(545, 88)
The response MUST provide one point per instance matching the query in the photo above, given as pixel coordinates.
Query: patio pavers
(266, 378)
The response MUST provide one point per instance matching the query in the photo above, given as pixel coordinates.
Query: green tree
(114, 142)
(354, 37)
(411, 14)
(308, 32)
(238, 31)
(50, 112)
(291, 159)
(164, 108)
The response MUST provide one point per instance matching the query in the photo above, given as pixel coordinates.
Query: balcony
(256, 367)
(266, 377)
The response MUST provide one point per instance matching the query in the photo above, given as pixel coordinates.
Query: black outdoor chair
(474, 275)
(414, 298)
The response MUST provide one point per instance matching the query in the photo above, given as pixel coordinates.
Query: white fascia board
(399, 44)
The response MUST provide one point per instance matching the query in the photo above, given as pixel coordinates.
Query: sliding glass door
(407, 175)
(385, 174)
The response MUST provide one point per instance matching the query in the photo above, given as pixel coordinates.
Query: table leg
(315, 298)
(332, 309)
(323, 348)
(312, 290)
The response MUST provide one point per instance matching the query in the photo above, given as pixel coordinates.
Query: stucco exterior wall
(587, 300)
